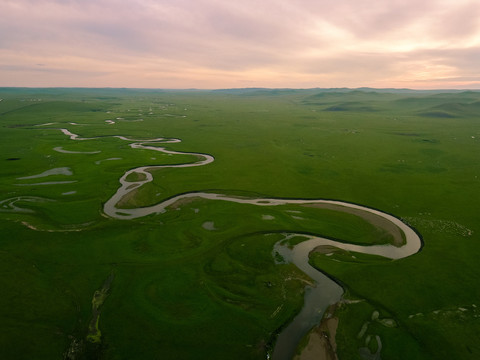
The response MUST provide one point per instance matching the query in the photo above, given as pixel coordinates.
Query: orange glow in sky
(209, 44)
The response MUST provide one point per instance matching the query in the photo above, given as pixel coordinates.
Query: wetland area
(245, 224)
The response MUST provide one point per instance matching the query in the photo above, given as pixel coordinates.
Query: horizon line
(362, 88)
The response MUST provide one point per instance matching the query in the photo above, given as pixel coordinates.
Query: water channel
(317, 298)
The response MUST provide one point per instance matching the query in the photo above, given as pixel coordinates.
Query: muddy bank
(321, 343)
(374, 219)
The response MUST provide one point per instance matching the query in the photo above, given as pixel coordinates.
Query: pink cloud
(213, 43)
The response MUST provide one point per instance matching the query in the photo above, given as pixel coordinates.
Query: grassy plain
(184, 291)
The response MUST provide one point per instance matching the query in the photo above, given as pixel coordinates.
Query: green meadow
(200, 281)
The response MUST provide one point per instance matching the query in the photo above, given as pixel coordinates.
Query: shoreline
(320, 341)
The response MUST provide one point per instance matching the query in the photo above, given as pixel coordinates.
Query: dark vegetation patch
(430, 141)
(19, 126)
(437, 114)
(350, 106)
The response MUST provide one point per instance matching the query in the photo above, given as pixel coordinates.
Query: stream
(317, 298)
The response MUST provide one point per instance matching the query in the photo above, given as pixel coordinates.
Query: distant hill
(453, 109)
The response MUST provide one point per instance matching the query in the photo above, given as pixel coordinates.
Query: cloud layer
(222, 44)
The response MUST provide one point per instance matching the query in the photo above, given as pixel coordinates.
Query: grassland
(183, 291)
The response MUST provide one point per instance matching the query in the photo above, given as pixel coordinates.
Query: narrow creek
(318, 297)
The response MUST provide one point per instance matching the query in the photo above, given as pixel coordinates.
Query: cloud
(216, 43)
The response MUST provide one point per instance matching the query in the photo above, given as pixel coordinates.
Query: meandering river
(317, 298)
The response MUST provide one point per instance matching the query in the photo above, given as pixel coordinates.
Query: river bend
(317, 298)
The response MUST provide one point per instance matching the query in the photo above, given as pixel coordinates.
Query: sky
(212, 44)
